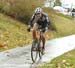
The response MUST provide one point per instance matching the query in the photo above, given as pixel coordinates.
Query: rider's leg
(35, 33)
(44, 39)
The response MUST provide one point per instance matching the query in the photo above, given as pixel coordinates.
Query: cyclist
(73, 12)
(41, 20)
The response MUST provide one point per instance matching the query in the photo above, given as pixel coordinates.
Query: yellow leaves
(29, 41)
(1, 36)
(63, 61)
(6, 34)
(4, 45)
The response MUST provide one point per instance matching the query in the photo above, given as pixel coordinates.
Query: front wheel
(40, 47)
(34, 51)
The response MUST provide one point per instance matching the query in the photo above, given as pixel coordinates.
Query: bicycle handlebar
(39, 29)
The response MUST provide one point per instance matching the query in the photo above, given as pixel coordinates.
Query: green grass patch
(66, 16)
(63, 25)
(66, 60)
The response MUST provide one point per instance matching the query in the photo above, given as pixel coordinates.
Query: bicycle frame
(40, 37)
(40, 33)
(38, 49)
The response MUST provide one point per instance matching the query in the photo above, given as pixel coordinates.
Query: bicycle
(37, 48)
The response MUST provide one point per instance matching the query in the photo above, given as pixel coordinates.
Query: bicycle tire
(34, 57)
(40, 50)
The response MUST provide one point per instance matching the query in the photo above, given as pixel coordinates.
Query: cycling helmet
(38, 10)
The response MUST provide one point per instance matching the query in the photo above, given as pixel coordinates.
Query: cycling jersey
(43, 20)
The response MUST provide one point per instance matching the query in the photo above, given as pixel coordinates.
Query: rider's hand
(46, 28)
(29, 27)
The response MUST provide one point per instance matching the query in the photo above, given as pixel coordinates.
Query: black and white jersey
(43, 20)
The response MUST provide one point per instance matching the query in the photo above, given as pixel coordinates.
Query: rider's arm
(49, 25)
(48, 21)
(31, 20)
(30, 23)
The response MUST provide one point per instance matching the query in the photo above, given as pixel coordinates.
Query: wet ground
(20, 57)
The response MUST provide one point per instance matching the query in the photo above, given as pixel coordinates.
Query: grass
(66, 60)
(19, 9)
(63, 25)
(12, 33)
(66, 16)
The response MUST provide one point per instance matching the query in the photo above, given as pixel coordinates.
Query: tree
(57, 3)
